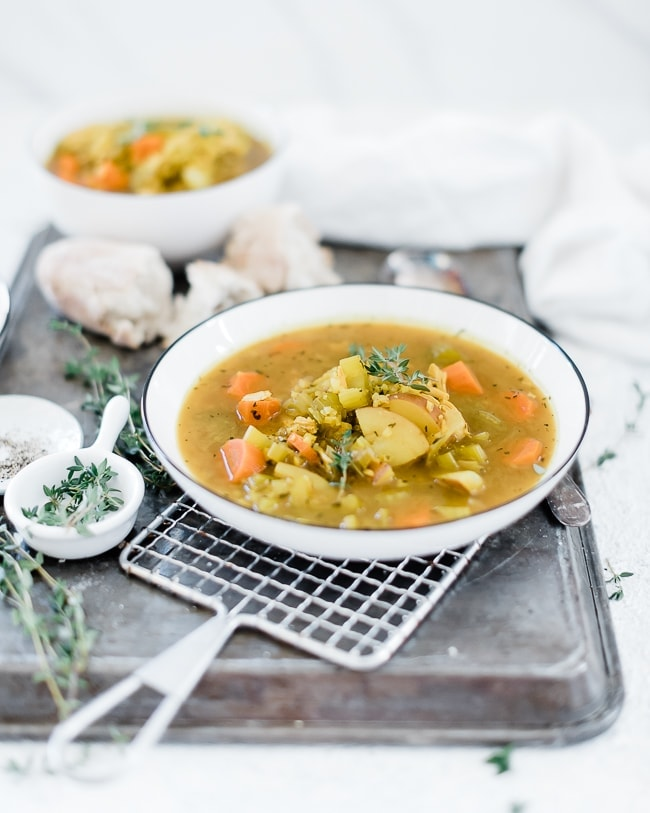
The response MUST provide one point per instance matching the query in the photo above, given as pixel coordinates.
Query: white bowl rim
(413, 539)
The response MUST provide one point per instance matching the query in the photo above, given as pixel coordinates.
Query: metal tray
(519, 649)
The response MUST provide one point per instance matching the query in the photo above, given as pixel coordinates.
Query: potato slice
(466, 480)
(393, 438)
(421, 411)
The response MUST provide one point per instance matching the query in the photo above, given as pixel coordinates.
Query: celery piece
(277, 452)
(354, 373)
(446, 356)
(447, 461)
(489, 417)
(256, 438)
(472, 451)
(354, 397)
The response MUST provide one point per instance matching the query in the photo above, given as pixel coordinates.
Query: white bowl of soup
(366, 421)
(172, 171)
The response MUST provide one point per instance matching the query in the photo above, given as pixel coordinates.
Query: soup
(367, 426)
(155, 156)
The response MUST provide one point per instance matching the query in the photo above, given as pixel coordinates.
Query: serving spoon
(568, 503)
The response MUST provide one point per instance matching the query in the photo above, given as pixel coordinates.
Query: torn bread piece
(277, 248)
(212, 288)
(116, 289)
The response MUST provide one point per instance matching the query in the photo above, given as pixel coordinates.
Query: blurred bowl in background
(180, 224)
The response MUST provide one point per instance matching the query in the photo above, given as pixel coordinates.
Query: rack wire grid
(354, 613)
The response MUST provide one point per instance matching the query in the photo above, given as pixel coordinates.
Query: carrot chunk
(148, 144)
(109, 178)
(67, 167)
(241, 459)
(413, 516)
(243, 382)
(258, 411)
(303, 447)
(520, 404)
(462, 379)
(524, 452)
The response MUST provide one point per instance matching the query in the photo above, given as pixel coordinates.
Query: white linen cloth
(457, 181)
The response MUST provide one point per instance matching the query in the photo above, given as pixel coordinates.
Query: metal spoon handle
(568, 503)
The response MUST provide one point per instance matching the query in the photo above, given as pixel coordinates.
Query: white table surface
(606, 773)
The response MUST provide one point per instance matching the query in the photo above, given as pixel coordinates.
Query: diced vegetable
(467, 481)
(393, 438)
(303, 447)
(521, 405)
(352, 398)
(420, 410)
(448, 512)
(462, 379)
(244, 382)
(297, 474)
(241, 459)
(472, 451)
(277, 452)
(257, 438)
(109, 178)
(412, 516)
(354, 373)
(258, 408)
(524, 452)
(67, 167)
(148, 144)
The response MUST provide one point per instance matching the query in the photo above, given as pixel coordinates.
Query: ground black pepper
(15, 454)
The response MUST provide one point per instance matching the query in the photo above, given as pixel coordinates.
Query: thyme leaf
(501, 758)
(342, 457)
(617, 580)
(390, 366)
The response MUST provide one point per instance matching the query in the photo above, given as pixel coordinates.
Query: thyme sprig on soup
(367, 426)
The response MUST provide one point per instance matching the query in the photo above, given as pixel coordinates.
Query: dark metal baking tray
(521, 649)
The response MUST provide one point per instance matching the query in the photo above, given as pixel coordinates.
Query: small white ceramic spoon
(25, 490)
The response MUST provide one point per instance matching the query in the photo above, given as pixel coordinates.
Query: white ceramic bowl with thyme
(123, 490)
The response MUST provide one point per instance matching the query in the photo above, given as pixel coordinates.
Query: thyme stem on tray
(61, 639)
(104, 380)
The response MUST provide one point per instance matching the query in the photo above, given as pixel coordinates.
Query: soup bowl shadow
(220, 336)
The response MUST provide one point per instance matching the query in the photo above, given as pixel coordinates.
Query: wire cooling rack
(353, 613)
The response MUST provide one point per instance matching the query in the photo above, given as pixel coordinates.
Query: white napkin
(456, 181)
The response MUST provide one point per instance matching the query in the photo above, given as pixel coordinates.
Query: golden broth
(413, 494)
(156, 156)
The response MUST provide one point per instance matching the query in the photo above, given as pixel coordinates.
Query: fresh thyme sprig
(616, 580)
(342, 457)
(104, 380)
(59, 634)
(391, 367)
(85, 496)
